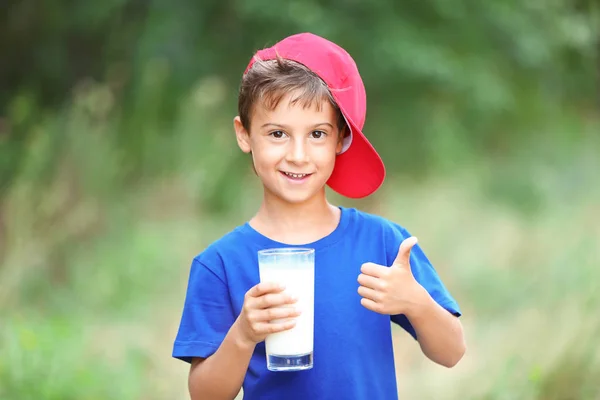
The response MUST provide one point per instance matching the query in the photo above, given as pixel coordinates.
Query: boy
(302, 107)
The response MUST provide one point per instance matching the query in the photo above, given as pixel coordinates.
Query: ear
(242, 135)
(340, 143)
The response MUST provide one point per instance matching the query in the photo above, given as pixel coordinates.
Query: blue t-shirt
(353, 353)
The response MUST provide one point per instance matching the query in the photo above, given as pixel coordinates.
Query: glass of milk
(291, 350)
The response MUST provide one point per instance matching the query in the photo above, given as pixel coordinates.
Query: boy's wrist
(422, 304)
(240, 339)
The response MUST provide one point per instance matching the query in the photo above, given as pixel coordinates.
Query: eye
(318, 134)
(277, 134)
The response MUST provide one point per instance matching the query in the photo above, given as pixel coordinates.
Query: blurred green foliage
(118, 164)
(32, 368)
(445, 81)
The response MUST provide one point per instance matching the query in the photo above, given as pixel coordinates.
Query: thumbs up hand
(391, 290)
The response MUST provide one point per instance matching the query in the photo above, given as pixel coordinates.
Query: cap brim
(359, 171)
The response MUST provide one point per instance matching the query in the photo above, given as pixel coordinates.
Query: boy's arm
(395, 291)
(221, 375)
(439, 333)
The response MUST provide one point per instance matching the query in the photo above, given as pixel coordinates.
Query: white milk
(299, 280)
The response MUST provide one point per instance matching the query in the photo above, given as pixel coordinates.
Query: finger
(276, 313)
(373, 269)
(265, 328)
(403, 257)
(368, 293)
(369, 281)
(264, 288)
(371, 305)
(273, 300)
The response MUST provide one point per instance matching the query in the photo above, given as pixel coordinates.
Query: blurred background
(118, 164)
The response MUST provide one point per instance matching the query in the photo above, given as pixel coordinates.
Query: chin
(299, 199)
(295, 197)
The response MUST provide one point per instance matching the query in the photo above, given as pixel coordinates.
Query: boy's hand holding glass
(267, 309)
(391, 290)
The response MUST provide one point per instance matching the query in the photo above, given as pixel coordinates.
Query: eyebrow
(271, 124)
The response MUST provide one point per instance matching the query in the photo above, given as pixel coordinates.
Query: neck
(296, 223)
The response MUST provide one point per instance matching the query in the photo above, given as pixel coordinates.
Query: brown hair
(269, 81)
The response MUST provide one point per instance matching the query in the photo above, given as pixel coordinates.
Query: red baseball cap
(359, 170)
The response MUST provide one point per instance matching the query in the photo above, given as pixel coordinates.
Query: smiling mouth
(295, 176)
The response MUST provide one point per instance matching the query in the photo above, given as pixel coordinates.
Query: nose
(297, 153)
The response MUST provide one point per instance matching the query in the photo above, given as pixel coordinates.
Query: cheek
(326, 155)
(265, 157)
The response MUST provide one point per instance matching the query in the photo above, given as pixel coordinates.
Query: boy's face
(293, 147)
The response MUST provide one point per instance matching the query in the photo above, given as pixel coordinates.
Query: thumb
(403, 257)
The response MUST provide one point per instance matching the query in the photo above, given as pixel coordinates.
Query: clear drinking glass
(291, 350)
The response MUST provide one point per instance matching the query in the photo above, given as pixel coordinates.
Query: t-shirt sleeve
(424, 273)
(207, 313)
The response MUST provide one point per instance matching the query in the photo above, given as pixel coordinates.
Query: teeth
(297, 176)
